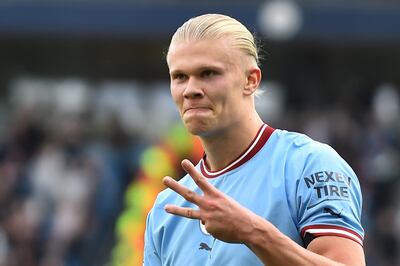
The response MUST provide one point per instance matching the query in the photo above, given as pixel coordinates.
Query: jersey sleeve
(328, 197)
(151, 256)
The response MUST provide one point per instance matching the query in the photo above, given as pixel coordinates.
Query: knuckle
(189, 195)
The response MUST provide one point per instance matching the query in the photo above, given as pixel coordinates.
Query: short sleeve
(151, 256)
(328, 197)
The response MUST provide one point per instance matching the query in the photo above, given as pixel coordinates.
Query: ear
(253, 80)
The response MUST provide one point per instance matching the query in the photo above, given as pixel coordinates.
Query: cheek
(233, 96)
(176, 95)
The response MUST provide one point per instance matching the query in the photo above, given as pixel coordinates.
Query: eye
(208, 73)
(179, 77)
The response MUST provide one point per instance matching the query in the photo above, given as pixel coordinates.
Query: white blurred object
(271, 103)
(47, 175)
(385, 165)
(317, 126)
(71, 96)
(27, 92)
(68, 222)
(386, 105)
(66, 96)
(280, 20)
(123, 100)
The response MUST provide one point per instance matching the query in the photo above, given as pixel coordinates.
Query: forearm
(274, 248)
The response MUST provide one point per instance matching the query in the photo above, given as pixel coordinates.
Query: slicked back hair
(216, 26)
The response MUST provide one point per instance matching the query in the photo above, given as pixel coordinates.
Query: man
(259, 196)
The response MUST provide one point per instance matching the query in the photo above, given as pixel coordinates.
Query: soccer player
(259, 196)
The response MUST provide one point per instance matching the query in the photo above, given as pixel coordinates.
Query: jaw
(196, 127)
(200, 126)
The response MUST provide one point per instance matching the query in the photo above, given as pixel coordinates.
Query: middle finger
(186, 193)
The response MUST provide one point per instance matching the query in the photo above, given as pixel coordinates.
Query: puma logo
(328, 210)
(204, 246)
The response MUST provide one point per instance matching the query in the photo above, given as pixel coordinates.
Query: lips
(196, 108)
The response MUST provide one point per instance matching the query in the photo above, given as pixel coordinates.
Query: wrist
(264, 235)
(259, 233)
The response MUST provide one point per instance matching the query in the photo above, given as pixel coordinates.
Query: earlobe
(253, 81)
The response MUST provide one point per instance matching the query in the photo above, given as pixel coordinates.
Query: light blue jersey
(301, 186)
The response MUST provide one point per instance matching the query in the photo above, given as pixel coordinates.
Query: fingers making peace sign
(222, 217)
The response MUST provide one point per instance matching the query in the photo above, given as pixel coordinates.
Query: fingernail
(185, 161)
(166, 180)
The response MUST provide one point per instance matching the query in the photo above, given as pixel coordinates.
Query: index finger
(186, 193)
(198, 178)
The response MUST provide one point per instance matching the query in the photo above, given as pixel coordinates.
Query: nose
(193, 89)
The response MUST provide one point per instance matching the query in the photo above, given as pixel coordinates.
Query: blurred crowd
(66, 155)
(69, 149)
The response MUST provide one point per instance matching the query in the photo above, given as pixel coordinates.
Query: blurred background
(88, 129)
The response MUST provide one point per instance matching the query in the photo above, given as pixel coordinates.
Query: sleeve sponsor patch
(327, 185)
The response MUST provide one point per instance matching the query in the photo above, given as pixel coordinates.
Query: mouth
(196, 109)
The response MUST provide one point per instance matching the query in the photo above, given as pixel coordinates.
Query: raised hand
(223, 217)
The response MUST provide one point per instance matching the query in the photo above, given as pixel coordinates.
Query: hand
(223, 217)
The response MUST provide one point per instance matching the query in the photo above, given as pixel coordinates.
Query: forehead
(200, 53)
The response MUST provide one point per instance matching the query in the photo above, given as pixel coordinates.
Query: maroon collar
(258, 142)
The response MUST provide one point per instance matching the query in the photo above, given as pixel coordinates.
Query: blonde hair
(215, 26)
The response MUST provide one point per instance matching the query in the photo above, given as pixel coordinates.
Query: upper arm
(339, 249)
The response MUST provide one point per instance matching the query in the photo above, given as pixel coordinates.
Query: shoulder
(305, 159)
(300, 149)
(295, 141)
(300, 142)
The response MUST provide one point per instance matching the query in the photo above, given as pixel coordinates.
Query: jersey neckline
(257, 143)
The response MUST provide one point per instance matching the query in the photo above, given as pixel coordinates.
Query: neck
(224, 147)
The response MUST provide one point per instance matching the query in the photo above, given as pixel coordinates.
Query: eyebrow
(198, 69)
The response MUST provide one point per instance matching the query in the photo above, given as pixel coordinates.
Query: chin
(197, 129)
(201, 130)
